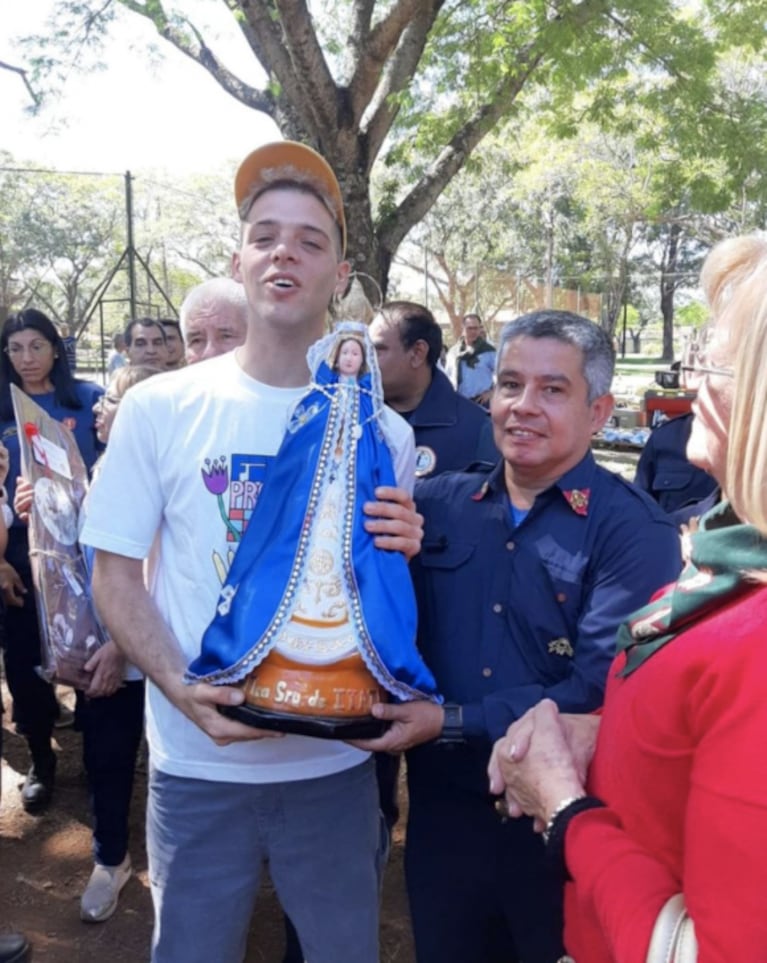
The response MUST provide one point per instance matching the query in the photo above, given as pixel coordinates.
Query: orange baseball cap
(277, 161)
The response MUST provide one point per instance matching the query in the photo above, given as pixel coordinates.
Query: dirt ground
(45, 862)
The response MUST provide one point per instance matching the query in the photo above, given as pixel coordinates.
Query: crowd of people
(583, 763)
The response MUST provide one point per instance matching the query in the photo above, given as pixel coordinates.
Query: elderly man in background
(213, 318)
(471, 362)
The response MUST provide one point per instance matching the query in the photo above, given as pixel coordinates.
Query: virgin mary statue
(315, 620)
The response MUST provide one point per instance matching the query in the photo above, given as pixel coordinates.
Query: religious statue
(315, 621)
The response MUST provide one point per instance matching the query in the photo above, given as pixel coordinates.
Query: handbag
(673, 937)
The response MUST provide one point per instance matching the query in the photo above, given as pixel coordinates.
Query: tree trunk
(668, 285)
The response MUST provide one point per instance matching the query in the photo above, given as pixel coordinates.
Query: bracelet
(561, 807)
(556, 828)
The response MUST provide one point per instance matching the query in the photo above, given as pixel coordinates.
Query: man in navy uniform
(665, 472)
(525, 572)
(451, 432)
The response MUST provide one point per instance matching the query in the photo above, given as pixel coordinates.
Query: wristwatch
(452, 726)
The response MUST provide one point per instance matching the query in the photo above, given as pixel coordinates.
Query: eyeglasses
(696, 372)
(105, 400)
(36, 348)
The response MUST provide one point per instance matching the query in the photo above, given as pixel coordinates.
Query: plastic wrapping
(70, 631)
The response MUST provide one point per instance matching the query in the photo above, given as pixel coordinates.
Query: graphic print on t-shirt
(236, 494)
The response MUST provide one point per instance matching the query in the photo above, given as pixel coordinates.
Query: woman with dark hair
(32, 356)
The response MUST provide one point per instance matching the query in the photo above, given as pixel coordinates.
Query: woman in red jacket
(666, 792)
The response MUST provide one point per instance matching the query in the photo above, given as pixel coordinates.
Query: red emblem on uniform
(578, 500)
(478, 496)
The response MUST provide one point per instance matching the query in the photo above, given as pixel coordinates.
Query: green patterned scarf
(721, 556)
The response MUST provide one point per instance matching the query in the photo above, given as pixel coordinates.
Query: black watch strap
(452, 727)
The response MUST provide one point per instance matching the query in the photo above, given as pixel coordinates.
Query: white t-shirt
(187, 455)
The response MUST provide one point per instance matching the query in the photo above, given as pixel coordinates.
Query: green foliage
(61, 236)
(693, 315)
(621, 119)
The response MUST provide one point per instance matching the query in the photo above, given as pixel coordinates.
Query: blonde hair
(734, 278)
(130, 375)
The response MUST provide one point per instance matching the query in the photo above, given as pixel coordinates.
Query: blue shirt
(471, 380)
(78, 420)
(450, 431)
(511, 615)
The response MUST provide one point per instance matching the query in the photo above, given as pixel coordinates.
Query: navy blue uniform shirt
(509, 615)
(665, 473)
(450, 431)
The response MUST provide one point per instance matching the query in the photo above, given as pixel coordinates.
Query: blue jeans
(207, 843)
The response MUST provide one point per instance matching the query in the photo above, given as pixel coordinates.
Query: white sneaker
(99, 900)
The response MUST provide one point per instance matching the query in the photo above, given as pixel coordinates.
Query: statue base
(330, 701)
(361, 727)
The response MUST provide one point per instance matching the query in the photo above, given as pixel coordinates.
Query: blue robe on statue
(333, 453)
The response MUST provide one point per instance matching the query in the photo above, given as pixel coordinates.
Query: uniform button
(511, 546)
(561, 597)
(487, 672)
(498, 608)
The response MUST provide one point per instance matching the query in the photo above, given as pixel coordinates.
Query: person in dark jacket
(450, 431)
(664, 470)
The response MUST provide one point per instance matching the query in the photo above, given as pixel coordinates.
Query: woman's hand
(5, 461)
(23, 498)
(11, 586)
(580, 731)
(107, 665)
(535, 767)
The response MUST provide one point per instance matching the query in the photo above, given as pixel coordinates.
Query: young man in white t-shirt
(192, 447)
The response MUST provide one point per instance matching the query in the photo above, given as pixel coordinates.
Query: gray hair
(591, 340)
(217, 290)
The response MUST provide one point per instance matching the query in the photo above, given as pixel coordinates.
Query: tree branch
(23, 74)
(310, 68)
(370, 91)
(362, 14)
(416, 204)
(267, 27)
(195, 48)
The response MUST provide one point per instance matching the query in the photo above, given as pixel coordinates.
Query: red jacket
(681, 763)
